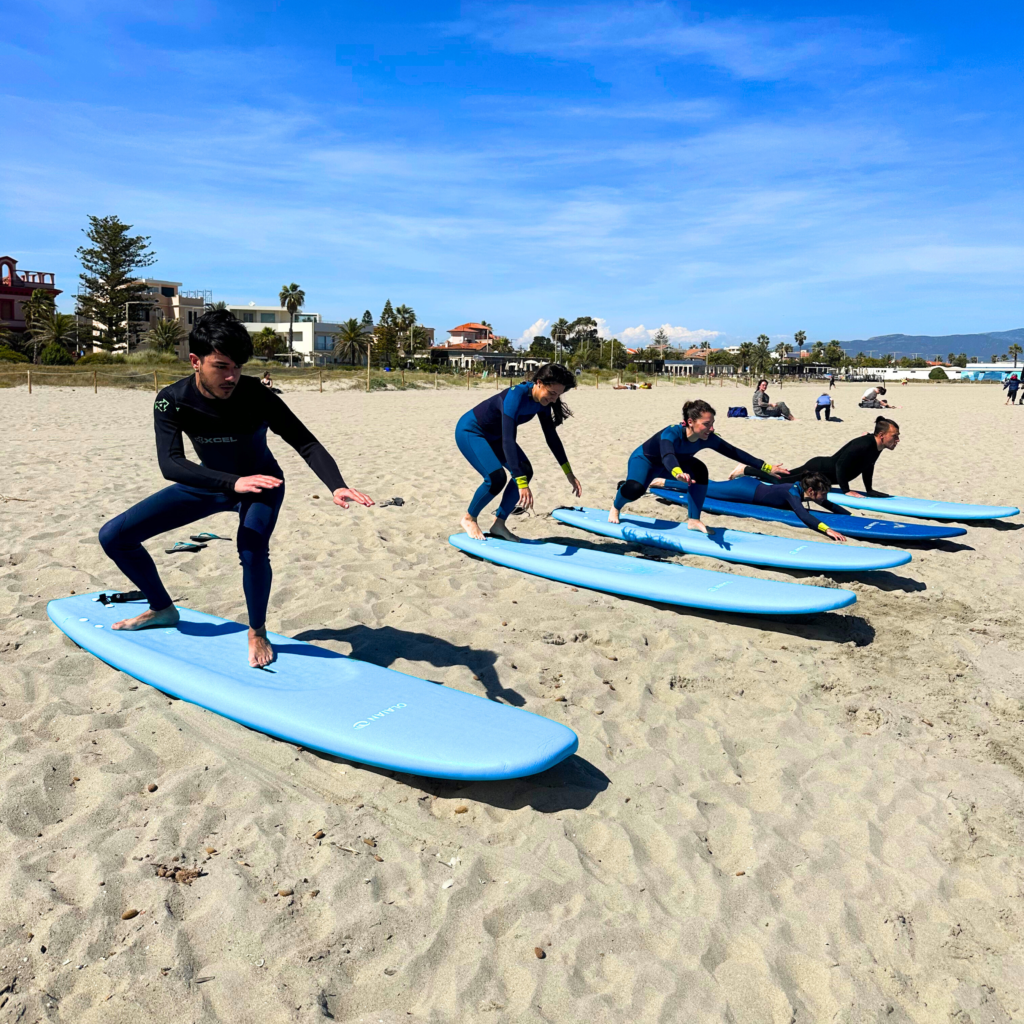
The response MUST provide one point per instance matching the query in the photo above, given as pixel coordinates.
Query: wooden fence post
(30, 382)
(369, 355)
(94, 376)
(320, 373)
(156, 385)
(435, 380)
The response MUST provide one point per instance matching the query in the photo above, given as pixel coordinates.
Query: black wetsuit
(855, 458)
(230, 437)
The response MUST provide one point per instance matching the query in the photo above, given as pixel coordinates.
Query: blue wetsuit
(669, 454)
(789, 496)
(230, 437)
(486, 436)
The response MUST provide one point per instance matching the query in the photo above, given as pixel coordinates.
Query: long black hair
(556, 373)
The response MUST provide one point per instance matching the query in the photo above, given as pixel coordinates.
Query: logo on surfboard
(364, 722)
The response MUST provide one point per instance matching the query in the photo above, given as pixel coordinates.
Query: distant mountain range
(984, 346)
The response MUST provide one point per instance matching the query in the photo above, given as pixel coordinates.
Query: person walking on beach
(671, 453)
(825, 405)
(831, 381)
(855, 458)
(487, 437)
(226, 416)
(1012, 385)
(763, 406)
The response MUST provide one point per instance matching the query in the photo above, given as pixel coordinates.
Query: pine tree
(111, 295)
(385, 335)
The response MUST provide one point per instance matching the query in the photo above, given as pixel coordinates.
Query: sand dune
(766, 821)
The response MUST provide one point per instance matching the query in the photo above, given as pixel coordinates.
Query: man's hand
(525, 497)
(577, 487)
(854, 494)
(256, 484)
(836, 535)
(779, 471)
(343, 495)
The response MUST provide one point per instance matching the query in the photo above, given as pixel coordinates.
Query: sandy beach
(766, 822)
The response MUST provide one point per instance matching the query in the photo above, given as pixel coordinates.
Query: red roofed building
(470, 333)
(15, 287)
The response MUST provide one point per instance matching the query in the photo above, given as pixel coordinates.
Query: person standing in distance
(226, 416)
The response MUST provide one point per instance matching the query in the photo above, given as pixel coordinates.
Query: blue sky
(849, 170)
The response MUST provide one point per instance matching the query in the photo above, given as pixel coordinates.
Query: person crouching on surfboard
(486, 436)
(226, 416)
(671, 452)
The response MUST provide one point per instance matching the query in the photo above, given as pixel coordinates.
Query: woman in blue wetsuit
(486, 436)
(671, 453)
(810, 487)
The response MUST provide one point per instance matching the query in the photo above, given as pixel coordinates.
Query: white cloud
(526, 338)
(680, 337)
(603, 330)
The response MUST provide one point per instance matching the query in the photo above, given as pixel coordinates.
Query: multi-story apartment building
(15, 287)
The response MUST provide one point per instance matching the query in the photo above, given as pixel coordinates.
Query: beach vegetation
(111, 295)
(101, 358)
(165, 336)
(385, 336)
(938, 373)
(55, 354)
(292, 298)
(52, 328)
(267, 343)
(351, 342)
(8, 355)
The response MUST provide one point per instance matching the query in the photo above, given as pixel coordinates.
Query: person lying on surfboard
(855, 458)
(810, 487)
(671, 453)
(486, 436)
(226, 416)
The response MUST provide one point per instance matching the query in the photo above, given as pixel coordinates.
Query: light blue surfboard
(320, 699)
(880, 530)
(665, 583)
(735, 545)
(922, 508)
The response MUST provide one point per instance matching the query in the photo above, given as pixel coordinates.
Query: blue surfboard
(735, 545)
(663, 582)
(319, 699)
(858, 527)
(922, 508)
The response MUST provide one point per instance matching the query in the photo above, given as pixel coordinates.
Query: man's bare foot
(470, 525)
(260, 651)
(696, 524)
(613, 515)
(737, 471)
(150, 619)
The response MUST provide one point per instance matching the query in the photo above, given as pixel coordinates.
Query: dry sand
(766, 822)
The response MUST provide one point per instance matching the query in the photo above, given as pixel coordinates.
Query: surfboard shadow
(880, 578)
(210, 628)
(573, 784)
(385, 645)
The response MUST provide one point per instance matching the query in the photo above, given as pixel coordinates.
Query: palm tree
(293, 298)
(220, 304)
(559, 332)
(801, 340)
(165, 336)
(1015, 350)
(266, 342)
(762, 359)
(52, 328)
(405, 321)
(350, 341)
(746, 354)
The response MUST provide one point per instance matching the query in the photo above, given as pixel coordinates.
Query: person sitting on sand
(226, 416)
(872, 399)
(267, 381)
(812, 486)
(855, 458)
(763, 407)
(671, 453)
(825, 405)
(487, 437)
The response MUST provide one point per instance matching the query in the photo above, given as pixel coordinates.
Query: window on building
(323, 343)
(6, 309)
(268, 318)
(248, 318)
(167, 293)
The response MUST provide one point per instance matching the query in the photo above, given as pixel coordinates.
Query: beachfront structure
(16, 286)
(168, 302)
(470, 333)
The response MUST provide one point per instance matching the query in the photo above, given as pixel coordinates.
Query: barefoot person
(764, 408)
(670, 453)
(486, 436)
(855, 458)
(226, 417)
(810, 487)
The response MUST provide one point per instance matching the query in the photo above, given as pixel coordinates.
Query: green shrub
(100, 359)
(938, 373)
(55, 354)
(8, 355)
(151, 357)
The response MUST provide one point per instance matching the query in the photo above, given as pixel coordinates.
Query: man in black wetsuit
(855, 458)
(226, 417)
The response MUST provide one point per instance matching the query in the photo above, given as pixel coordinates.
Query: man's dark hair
(220, 331)
(880, 390)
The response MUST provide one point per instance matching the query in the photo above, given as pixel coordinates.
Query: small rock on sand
(129, 914)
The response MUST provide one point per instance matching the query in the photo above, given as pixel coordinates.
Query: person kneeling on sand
(871, 399)
(671, 453)
(226, 416)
